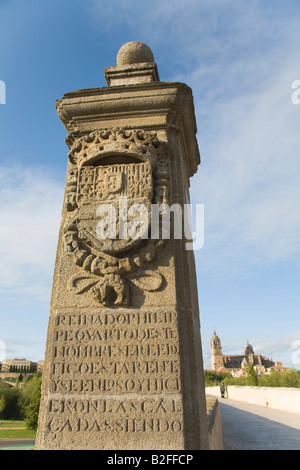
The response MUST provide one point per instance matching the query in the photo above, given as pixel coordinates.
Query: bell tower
(216, 352)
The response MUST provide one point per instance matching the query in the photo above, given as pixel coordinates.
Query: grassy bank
(15, 430)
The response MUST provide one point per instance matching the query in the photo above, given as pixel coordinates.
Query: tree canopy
(289, 378)
(21, 402)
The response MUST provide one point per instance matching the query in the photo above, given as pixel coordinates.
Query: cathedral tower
(216, 352)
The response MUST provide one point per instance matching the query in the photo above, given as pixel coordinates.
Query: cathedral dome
(248, 349)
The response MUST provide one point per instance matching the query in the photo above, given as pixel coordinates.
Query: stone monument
(123, 364)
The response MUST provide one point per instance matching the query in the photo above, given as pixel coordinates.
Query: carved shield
(110, 201)
(114, 181)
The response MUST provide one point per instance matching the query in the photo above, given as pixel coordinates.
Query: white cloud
(206, 32)
(20, 347)
(240, 61)
(278, 349)
(30, 206)
(249, 177)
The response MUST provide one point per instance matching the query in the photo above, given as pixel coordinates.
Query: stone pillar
(123, 365)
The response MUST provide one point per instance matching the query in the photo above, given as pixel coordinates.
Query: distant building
(237, 364)
(18, 365)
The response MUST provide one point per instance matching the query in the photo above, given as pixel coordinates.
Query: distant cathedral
(236, 364)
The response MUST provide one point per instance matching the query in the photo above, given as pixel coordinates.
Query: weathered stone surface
(134, 52)
(135, 64)
(123, 365)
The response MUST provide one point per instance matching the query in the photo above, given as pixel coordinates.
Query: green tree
(2, 404)
(211, 377)
(10, 398)
(31, 397)
(291, 378)
(251, 375)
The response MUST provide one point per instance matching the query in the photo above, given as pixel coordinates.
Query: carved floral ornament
(106, 166)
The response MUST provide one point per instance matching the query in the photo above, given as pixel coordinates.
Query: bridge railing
(279, 398)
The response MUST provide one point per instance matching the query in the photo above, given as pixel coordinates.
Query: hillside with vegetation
(289, 378)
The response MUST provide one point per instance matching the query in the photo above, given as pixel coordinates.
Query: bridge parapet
(215, 437)
(277, 398)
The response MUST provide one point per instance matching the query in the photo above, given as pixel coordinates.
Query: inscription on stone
(116, 352)
(115, 416)
(102, 354)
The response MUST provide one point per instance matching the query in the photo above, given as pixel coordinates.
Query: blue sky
(240, 59)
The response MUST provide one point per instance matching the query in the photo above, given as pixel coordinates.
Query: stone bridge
(254, 418)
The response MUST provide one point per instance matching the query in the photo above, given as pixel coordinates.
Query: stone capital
(159, 106)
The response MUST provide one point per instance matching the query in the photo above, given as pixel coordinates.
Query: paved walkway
(252, 427)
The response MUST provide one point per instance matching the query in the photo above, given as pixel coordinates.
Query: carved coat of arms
(114, 174)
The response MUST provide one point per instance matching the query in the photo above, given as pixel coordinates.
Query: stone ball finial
(134, 52)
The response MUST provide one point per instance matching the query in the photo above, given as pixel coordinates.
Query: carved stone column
(123, 366)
